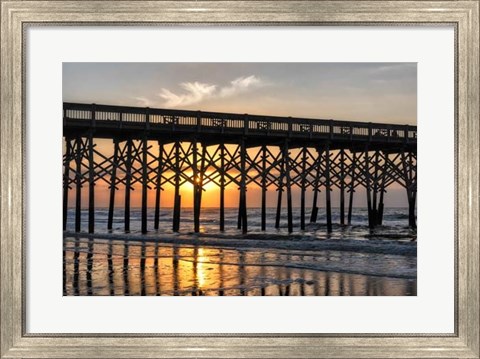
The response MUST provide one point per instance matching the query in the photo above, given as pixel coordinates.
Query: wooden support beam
(314, 214)
(128, 180)
(177, 199)
(410, 166)
(303, 188)
(264, 187)
(91, 186)
(196, 186)
(411, 210)
(280, 190)
(328, 189)
(202, 178)
(279, 203)
(222, 187)
(177, 212)
(382, 190)
(240, 204)
(379, 218)
(158, 186)
(342, 187)
(375, 188)
(198, 177)
(66, 180)
(144, 183)
(239, 216)
(286, 157)
(113, 183)
(368, 182)
(78, 184)
(352, 187)
(243, 186)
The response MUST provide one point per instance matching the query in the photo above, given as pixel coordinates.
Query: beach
(352, 260)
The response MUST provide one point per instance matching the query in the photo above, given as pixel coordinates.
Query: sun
(210, 186)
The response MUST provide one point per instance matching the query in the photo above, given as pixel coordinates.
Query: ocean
(352, 260)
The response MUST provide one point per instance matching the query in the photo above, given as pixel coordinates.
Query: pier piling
(368, 186)
(196, 188)
(288, 185)
(91, 186)
(78, 183)
(243, 186)
(144, 184)
(342, 186)
(382, 190)
(328, 189)
(264, 188)
(279, 203)
(222, 186)
(280, 191)
(352, 187)
(128, 180)
(303, 188)
(314, 214)
(158, 186)
(113, 183)
(177, 198)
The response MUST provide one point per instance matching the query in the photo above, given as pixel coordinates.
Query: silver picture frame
(17, 16)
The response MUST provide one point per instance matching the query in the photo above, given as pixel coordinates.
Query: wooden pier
(240, 149)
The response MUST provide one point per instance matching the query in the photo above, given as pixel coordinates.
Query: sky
(370, 92)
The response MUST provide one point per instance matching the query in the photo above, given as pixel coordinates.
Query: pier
(241, 149)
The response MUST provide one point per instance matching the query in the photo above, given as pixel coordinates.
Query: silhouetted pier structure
(211, 147)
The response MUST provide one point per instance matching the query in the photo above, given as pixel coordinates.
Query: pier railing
(236, 124)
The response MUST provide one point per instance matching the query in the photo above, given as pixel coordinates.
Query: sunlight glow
(201, 268)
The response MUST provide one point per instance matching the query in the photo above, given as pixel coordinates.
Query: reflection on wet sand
(110, 267)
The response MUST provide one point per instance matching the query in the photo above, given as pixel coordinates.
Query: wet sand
(108, 266)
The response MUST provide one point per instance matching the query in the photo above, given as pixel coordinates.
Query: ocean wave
(267, 241)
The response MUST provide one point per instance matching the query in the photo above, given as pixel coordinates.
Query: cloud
(240, 85)
(195, 92)
(395, 67)
(142, 101)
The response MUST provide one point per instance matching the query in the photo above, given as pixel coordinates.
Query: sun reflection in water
(201, 268)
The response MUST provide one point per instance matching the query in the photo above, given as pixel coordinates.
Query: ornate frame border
(16, 15)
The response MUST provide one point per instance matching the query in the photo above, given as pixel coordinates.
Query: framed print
(239, 179)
